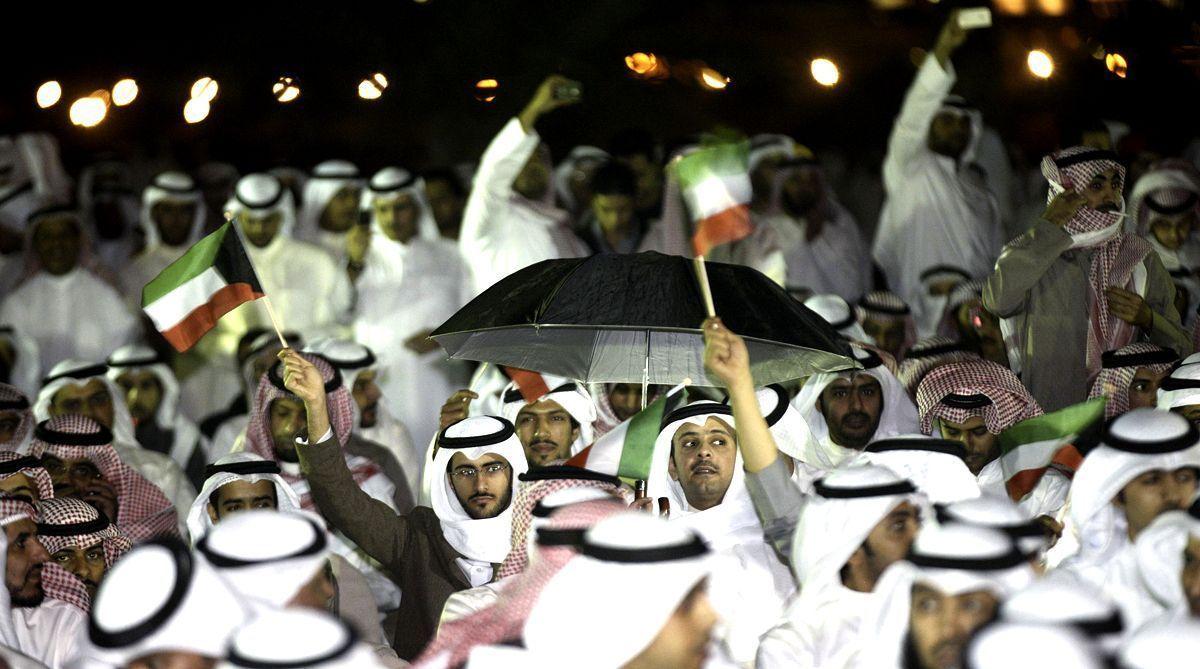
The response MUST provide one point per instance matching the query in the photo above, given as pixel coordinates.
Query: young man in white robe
(330, 206)
(171, 220)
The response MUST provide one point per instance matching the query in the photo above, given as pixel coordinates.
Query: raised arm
(1025, 260)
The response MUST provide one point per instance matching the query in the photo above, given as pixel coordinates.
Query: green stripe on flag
(192, 264)
(1057, 425)
(638, 449)
(717, 160)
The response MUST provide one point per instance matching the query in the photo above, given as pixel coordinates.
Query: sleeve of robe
(911, 130)
(356, 605)
(777, 501)
(484, 237)
(1166, 331)
(372, 525)
(1021, 265)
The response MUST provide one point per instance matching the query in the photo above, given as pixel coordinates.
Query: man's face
(1153, 493)
(683, 641)
(173, 220)
(1143, 389)
(316, 593)
(801, 190)
(852, 407)
(143, 394)
(982, 446)
(483, 486)
(702, 460)
(238, 495)
(887, 333)
(173, 659)
(260, 229)
(546, 431)
(10, 421)
(614, 213)
(649, 181)
(397, 217)
(20, 485)
(90, 399)
(366, 394)
(446, 205)
(534, 177)
(82, 479)
(949, 133)
(1190, 412)
(1173, 231)
(1191, 575)
(625, 399)
(57, 242)
(1103, 192)
(887, 544)
(86, 563)
(341, 213)
(288, 421)
(940, 625)
(26, 555)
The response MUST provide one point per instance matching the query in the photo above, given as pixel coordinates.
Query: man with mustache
(556, 425)
(1075, 285)
(80, 539)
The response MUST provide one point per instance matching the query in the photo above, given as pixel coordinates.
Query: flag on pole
(1032, 446)
(532, 385)
(188, 297)
(715, 183)
(627, 449)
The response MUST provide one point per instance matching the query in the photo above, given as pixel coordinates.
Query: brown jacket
(411, 548)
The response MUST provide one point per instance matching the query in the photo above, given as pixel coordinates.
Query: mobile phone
(975, 17)
(568, 92)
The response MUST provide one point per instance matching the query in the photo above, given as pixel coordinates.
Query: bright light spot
(124, 92)
(205, 88)
(196, 110)
(1040, 64)
(825, 71)
(1116, 64)
(48, 94)
(369, 90)
(485, 89)
(103, 96)
(1014, 7)
(641, 63)
(1053, 7)
(380, 79)
(88, 112)
(286, 89)
(713, 79)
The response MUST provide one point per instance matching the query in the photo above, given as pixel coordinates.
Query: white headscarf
(660, 484)
(1181, 388)
(565, 170)
(262, 194)
(1162, 646)
(1002, 513)
(160, 597)
(267, 555)
(297, 639)
(1006, 645)
(935, 466)
(486, 539)
(326, 180)
(386, 256)
(577, 616)
(1064, 601)
(1160, 557)
(72, 372)
(240, 466)
(572, 396)
(899, 414)
(174, 188)
(837, 312)
(138, 358)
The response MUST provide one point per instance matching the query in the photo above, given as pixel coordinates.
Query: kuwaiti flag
(1032, 446)
(627, 449)
(715, 182)
(192, 293)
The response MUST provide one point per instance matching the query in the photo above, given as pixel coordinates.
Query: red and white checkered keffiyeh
(527, 496)
(504, 620)
(12, 463)
(338, 402)
(13, 509)
(1119, 368)
(66, 514)
(143, 512)
(885, 306)
(12, 399)
(1115, 254)
(927, 354)
(1010, 402)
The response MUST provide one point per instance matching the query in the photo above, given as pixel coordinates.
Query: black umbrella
(632, 318)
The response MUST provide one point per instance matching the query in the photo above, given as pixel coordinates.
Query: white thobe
(836, 261)
(471, 601)
(502, 231)
(938, 211)
(1120, 580)
(75, 315)
(1046, 499)
(819, 630)
(50, 631)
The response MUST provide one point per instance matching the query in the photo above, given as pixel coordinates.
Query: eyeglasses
(469, 473)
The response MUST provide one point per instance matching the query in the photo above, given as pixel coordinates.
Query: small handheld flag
(1032, 446)
(188, 297)
(627, 449)
(715, 182)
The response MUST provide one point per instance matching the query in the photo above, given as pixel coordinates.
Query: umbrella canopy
(628, 318)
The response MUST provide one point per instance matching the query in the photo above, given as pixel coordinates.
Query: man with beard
(555, 425)
(1075, 285)
(430, 552)
(847, 410)
(45, 629)
(80, 539)
(330, 206)
(172, 219)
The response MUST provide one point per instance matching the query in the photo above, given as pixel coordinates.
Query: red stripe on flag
(727, 226)
(1066, 460)
(531, 384)
(580, 459)
(188, 331)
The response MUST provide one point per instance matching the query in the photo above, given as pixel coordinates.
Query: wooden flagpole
(705, 290)
(266, 298)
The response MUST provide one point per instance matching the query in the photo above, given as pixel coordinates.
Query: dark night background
(434, 52)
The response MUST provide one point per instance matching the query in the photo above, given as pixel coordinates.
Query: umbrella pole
(646, 372)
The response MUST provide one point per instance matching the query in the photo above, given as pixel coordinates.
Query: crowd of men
(355, 499)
